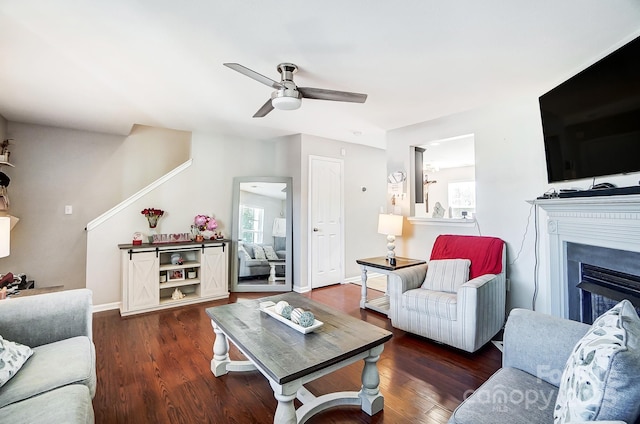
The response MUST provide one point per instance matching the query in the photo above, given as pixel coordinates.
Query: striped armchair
(458, 298)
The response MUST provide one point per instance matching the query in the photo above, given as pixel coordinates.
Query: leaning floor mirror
(261, 234)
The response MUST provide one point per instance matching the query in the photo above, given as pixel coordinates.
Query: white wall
(510, 169)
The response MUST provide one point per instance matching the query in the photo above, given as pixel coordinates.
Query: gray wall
(363, 167)
(57, 167)
(92, 172)
(3, 128)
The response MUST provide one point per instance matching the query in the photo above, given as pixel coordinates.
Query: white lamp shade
(390, 224)
(5, 240)
(279, 227)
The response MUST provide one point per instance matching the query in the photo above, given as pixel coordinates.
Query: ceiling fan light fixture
(288, 96)
(286, 103)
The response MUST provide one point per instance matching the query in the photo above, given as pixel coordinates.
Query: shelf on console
(187, 298)
(180, 283)
(188, 264)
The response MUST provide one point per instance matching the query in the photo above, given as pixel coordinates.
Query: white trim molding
(604, 221)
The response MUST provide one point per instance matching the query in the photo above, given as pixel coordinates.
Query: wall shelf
(468, 222)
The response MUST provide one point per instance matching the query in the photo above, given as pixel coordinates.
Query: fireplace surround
(583, 224)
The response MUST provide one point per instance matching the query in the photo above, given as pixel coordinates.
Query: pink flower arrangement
(205, 223)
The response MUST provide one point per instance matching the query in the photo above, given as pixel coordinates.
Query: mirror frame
(235, 233)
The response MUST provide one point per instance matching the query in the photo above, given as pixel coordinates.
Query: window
(251, 224)
(462, 198)
(444, 178)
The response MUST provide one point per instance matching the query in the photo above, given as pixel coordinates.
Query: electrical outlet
(68, 210)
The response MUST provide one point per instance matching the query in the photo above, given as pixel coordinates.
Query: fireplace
(602, 288)
(602, 232)
(598, 277)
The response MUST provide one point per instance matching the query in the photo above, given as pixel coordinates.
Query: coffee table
(289, 359)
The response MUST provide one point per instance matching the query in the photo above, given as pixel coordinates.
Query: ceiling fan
(288, 96)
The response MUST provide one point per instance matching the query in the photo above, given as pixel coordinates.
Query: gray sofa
(58, 382)
(524, 390)
(252, 267)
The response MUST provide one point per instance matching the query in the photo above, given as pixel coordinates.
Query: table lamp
(391, 225)
(5, 240)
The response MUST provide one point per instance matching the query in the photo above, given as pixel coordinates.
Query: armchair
(445, 303)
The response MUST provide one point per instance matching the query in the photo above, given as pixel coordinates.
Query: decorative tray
(270, 310)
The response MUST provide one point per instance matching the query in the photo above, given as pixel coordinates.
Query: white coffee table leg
(220, 352)
(372, 400)
(272, 273)
(363, 298)
(286, 411)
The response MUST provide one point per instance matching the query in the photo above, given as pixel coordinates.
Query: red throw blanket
(485, 253)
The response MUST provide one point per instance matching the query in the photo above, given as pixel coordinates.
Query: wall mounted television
(591, 122)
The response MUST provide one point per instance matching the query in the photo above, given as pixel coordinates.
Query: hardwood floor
(155, 368)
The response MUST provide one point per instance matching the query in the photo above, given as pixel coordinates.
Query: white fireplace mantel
(604, 221)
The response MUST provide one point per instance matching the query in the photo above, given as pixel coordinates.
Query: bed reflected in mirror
(261, 235)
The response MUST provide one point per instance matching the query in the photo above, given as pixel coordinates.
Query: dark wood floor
(155, 368)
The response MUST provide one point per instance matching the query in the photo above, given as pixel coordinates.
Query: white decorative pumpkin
(280, 306)
(296, 314)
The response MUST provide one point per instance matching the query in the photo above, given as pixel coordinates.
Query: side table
(381, 264)
(273, 263)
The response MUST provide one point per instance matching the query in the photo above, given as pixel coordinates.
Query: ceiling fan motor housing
(288, 97)
(287, 70)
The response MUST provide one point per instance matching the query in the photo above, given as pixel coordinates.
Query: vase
(194, 232)
(207, 234)
(153, 220)
(152, 232)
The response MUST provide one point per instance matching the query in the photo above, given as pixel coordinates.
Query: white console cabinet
(150, 277)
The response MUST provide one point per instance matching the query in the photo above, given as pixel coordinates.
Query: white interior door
(326, 223)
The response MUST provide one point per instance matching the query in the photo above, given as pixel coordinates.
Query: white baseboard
(358, 279)
(106, 307)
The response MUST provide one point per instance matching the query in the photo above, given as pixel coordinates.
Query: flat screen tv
(591, 122)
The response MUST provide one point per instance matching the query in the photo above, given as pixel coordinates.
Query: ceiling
(449, 153)
(275, 190)
(106, 65)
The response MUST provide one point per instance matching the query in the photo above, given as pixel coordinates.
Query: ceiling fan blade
(253, 74)
(338, 96)
(266, 108)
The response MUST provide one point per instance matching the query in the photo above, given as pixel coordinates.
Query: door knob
(315, 230)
